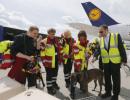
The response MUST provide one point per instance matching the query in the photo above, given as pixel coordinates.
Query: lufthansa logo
(95, 14)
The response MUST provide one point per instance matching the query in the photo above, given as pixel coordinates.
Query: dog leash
(127, 66)
(126, 70)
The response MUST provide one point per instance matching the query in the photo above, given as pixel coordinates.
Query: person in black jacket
(23, 50)
(112, 69)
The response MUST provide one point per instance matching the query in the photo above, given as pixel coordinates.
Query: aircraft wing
(92, 30)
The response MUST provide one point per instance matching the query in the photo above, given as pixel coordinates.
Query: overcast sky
(56, 13)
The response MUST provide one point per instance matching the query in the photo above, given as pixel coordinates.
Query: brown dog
(85, 77)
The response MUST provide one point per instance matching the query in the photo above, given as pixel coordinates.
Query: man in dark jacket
(113, 55)
(23, 50)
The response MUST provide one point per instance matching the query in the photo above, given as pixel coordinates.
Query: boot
(114, 97)
(56, 87)
(106, 95)
(67, 84)
(51, 91)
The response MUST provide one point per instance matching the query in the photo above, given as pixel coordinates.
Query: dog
(34, 68)
(40, 78)
(85, 77)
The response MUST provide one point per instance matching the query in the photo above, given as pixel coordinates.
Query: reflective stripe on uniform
(80, 61)
(48, 55)
(49, 85)
(113, 54)
(49, 82)
(66, 75)
(7, 61)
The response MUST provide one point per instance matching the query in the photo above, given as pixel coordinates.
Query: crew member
(113, 54)
(68, 42)
(51, 57)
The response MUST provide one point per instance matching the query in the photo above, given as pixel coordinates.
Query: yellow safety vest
(7, 59)
(4, 45)
(48, 55)
(113, 54)
(65, 52)
(80, 56)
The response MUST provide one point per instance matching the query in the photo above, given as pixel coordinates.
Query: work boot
(106, 95)
(67, 84)
(114, 97)
(56, 87)
(52, 91)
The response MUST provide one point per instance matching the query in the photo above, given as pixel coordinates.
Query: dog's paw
(93, 90)
(99, 94)
(87, 94)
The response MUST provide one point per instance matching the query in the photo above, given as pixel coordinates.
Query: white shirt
(107, 40)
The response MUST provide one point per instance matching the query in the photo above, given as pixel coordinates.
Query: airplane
(97, 18)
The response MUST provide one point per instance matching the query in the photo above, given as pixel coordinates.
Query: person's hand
(39, 38)
(93, 60)
(30, 58)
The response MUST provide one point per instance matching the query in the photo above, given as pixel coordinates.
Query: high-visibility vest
(80, 62)
(4, 45)
(48, 55)
(113, 54)
(65, 52)
(7, 59)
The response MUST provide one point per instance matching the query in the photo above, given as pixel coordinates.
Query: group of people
(67, 51)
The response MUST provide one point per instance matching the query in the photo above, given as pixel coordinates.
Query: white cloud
(7, 24)
(17, 19)
(47, 14)
(117, 9)
(13, 19)
(4, 22)
(1, 8)
(68, 19)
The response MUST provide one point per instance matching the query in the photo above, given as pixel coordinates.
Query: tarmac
(64, 93)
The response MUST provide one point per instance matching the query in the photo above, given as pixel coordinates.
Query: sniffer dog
(83, 78)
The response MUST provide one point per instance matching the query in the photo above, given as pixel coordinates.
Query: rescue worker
(113, 54)
(6, 59)
(68, 42)
(51, 57)
(23, 50)
(81, 52)
(81, 55)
